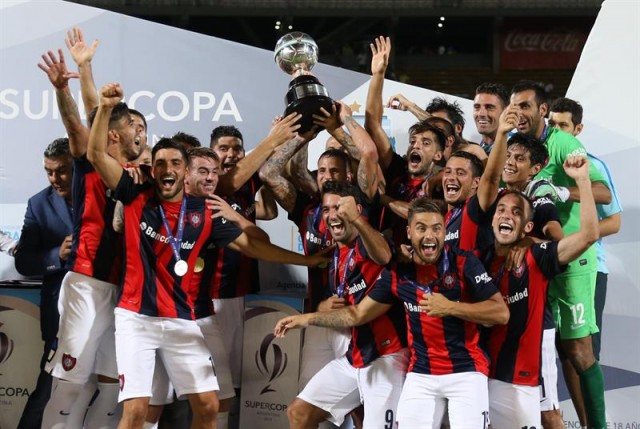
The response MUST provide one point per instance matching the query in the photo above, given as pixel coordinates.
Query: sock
(149, 425)
(592, 385)
(104, 412)
(63, 395)
(222, 421)
(80, 406)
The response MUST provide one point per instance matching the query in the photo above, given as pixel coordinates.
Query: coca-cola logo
(549, 41)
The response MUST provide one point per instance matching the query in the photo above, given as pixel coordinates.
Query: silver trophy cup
(296, 53)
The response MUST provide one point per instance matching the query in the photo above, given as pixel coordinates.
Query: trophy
(296, 53)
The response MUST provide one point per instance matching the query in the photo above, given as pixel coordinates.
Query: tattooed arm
(299, 173)
(59, 76)
(346, 317)
(271, 174)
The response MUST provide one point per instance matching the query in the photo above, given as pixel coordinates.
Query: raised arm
(266, 207)
(56, 70)
(82, 55)
(380, 50)
(352, 315)
(491, 311)
(281, 132)
(400, 102)
(299, 173)
(107, 167)
(374, 242)
(271, 174)
(265, 251)
(573, 245)
(490, 180)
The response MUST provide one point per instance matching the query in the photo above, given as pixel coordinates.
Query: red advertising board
(541, 43)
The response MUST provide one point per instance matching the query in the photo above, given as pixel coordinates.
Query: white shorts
(213, 338)
(321, 346)
(161, 387)
(230, 315)
(425, 397)
(338, 388)
(86, 342)
(178, 342)
(513, 405)
(549, 384)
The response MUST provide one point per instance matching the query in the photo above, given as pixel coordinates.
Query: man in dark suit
(42, 251)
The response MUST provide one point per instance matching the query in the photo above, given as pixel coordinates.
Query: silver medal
(181, 268)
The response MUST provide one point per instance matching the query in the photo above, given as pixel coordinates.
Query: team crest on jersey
(449, 280)
(68, 362)
(121, 381)
(195, 219)
(518, 271)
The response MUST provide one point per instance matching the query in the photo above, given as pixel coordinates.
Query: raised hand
(111, 94)
(380, 49)
(56, 69)
(80, 52)
(399, 102)
(508, 120)
(330, 121)
(347, 209)
(285, 129)
(576, 167)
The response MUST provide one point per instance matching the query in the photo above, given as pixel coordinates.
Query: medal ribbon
(175, 242)
(336, 267)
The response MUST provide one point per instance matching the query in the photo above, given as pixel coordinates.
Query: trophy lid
(296, 52)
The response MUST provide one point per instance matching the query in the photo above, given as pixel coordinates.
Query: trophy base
(306, 96)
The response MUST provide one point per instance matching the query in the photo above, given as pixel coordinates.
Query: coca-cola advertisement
(542, 43)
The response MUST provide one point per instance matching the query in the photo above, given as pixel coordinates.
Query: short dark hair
(538, 153)
(167, 143)
(424, 126)
(186, 139)
(529, 203)
(453, 109)
(202, 152)
(477, 167)
(443, 125)
(563, 104)
(525, 85)
(137, 113)
(496, 89)
(425, 205)
(224, 131)
(336, 153)
(119, 111)
(341, 188)
(58, 147)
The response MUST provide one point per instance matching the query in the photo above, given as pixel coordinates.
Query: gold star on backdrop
(355, 107)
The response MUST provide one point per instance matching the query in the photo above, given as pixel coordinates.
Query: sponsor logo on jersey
(518, 296)
(452, 235)
(358, 287)
(484, 278)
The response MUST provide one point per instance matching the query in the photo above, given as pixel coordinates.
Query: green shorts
(571, 299)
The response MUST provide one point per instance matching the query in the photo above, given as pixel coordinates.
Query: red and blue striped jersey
(515, 348)
(469, 227)
(150, 285)
(383, 335)
(235, 274)
(439, 345)
(95, 251)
